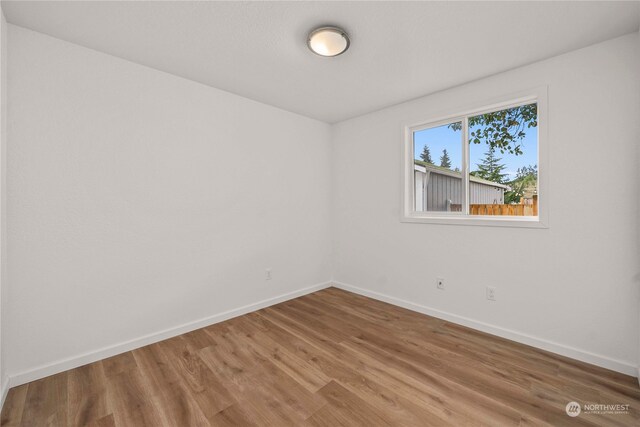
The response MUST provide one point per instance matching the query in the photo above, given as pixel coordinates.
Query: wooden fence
(526, 207)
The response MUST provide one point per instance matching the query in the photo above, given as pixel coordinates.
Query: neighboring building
(440, 189)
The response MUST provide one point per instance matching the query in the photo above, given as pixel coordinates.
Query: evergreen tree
(445, 161)
(426, 155)
(490, 167)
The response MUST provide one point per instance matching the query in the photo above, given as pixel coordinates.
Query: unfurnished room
(319, 213)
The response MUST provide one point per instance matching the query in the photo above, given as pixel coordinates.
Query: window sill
(477, 220)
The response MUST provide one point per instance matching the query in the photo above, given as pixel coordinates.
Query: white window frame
(409, 214)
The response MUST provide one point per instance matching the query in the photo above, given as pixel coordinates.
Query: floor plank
(170, 394)
(46, 403)
(14, 406)
(87, 395)
(331, 358)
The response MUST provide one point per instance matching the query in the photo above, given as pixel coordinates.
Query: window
(480, 167)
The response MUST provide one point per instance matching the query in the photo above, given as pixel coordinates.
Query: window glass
(438, 179)
(503, 162)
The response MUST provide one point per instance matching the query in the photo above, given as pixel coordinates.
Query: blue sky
(442, 137)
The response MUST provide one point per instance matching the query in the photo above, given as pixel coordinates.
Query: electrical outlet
(267, 274)
(440, 284)
(491, 293)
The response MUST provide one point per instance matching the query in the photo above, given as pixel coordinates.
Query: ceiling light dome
(328, 41)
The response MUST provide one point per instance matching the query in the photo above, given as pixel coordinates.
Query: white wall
(139, 201)
(638, 206)
(572, 288)
(3, 204)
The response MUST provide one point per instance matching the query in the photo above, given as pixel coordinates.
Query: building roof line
(457, 174)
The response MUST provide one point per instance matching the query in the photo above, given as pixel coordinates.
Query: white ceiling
(399, 50)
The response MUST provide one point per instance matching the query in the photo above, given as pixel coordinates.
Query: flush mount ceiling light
(328, 41)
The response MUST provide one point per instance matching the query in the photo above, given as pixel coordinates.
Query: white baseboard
(4, 390)
(553, 347)
(93, 356)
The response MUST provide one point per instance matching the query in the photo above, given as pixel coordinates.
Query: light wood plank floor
(326, 359)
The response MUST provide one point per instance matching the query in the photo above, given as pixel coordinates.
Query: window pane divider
(466, 184)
